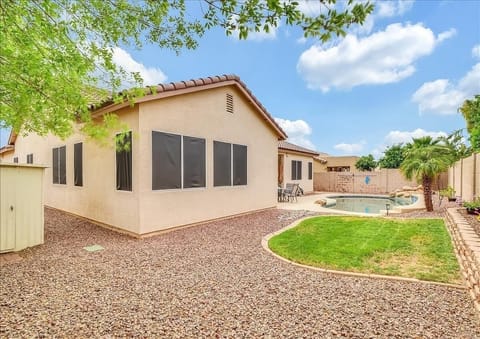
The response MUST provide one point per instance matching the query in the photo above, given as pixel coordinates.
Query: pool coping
(419, 204)
(267, 237)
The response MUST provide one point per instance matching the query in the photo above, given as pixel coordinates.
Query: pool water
(368, 204)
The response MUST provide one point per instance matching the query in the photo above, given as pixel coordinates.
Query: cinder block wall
(464, 177)
(382, 181)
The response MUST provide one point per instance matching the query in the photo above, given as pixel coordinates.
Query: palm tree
(424, 159)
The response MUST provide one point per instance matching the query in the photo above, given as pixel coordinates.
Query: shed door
(7, 209)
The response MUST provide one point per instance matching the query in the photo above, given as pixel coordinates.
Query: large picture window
(310, 171)
(173, 155)
(229, 164)
(296, 170)
(239, 165)
(222, 164)
(124, 161)
(59, 166)
(166, 161)
(193, 162)
(78, 164)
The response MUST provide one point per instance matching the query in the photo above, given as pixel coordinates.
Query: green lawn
(415, 248)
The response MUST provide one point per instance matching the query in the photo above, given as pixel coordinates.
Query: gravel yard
(213, 280)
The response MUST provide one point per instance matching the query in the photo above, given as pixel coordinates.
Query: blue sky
(402, 74)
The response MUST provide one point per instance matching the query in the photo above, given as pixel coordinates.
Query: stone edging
(267, 237)
(467, 248)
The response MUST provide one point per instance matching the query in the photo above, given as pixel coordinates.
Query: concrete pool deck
(307, 203)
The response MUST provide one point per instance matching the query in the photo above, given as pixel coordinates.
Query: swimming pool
(367, 204)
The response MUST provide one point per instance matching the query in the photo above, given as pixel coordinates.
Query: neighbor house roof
(287, 146)
(194, 85)
(7, 148)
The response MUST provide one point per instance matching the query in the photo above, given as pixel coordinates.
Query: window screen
(59, 166)
(239, 165)
(193, 162)
(56, 177)
(30, 158)
(62, 168)
(166, 161)
(78, 164)
(310, 171)
(296, 170)
(222, 164)
(124, 162)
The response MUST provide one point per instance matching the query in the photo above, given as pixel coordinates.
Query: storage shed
(21, 206)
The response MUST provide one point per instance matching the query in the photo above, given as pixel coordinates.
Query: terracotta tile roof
(200, 84)
(284, 145)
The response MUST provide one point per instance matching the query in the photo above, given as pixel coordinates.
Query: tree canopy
(55, 53)
(471, 112)
(366, 163)
(392, 157)
(425, 158)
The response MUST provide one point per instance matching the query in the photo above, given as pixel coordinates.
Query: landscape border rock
(467, 249)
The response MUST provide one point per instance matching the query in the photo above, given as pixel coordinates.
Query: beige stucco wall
(199, 114)
(98, 199)
(202, 114)
(305, 183)
(6, 157)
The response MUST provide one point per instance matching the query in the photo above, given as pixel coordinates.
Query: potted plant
(473, 207)
(449, 193)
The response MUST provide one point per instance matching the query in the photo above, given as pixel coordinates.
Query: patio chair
(291, 191)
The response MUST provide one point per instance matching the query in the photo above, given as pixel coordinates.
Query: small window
(310, 171)
(78, 164)
(59, 165)
(124, 161)
(166, 161)
(15, 160)
(296, 170)
(30, 158)
(222, 164)
(239, 165)
(229, 103)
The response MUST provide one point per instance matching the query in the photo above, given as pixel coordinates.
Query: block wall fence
(464, 177)
(380, 181)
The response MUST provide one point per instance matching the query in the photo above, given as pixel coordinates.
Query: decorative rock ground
(213, 280)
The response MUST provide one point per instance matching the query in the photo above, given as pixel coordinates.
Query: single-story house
(295, 165)
(200, 150)
(330, 163)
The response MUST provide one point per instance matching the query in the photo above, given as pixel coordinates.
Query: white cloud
(389, 9)
(444, 97)
(150, 75)
(476, 51)
(309, 8)
(384, 57)
(298, 132)
(446, 35)
(396, 137)
(261, 36)
(351, 149)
